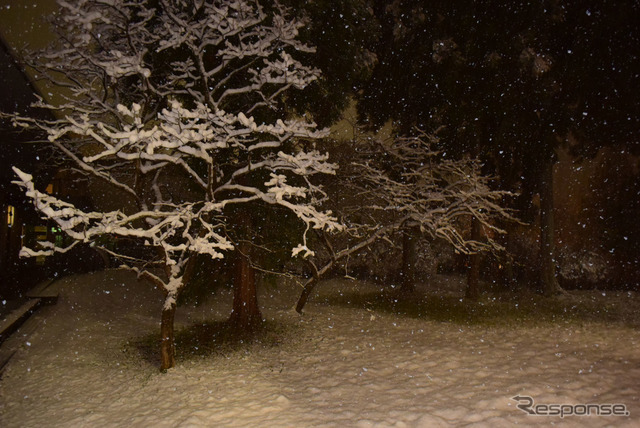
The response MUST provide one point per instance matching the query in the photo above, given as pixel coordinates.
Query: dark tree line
(510, 82)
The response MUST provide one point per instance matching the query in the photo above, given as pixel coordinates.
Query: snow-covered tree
(177, 106)
(405, 185)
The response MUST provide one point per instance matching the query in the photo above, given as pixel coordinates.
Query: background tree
(385, 187)
(510, 82)
(173, 105)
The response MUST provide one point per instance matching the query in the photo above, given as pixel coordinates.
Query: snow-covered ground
(88, 364)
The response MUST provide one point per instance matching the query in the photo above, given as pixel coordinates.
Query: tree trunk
(167, 346)
(473, 277)
(304, 296)
(246, 312)
(548, 279)
(409, 260)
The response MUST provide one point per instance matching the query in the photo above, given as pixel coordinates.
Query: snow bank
(336, 366)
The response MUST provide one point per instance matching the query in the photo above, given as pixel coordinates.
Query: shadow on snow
(215, 338)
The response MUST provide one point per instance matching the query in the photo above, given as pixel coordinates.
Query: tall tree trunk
(167, 346)
(473, 277)
(507, 274)
(549, 281)
(246, 312)
(410, 238)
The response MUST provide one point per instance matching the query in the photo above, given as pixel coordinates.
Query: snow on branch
(170, 104)
(404, 184)
(413, 182)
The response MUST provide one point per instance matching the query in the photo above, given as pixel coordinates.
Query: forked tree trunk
(548, 279)
(246, 312)
(167, 346)
(473, 278)
(304, 296)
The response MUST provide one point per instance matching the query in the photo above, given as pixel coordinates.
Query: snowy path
(341, 367)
